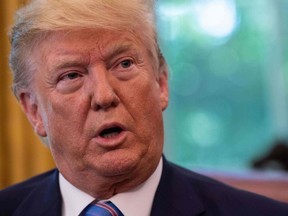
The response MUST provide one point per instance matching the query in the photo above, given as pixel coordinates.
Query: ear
(164, 90)
(31, 109)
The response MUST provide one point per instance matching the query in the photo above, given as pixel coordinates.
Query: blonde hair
(40, 17)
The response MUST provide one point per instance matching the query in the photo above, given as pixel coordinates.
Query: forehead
(102, 41)
(85, 47)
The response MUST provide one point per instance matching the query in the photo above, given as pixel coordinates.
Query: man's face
(99, 99)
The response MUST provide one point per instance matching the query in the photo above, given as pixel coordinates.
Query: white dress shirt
(137, 201)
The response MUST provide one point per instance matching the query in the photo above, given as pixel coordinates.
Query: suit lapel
(44, 200)
(175, 194)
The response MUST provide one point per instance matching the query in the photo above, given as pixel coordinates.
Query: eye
(125, 68)
(71, 76)
(126, 63)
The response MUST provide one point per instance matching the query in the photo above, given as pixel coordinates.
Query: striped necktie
(101, 209)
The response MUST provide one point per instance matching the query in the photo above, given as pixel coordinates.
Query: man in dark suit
(180, 192)
(92, 81)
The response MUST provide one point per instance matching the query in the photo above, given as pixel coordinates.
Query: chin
(116, 164)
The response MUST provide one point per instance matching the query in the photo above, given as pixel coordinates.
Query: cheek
(143, 93)
(144, 105)
(65, 120)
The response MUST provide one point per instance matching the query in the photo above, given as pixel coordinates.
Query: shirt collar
(137, 201)
(74, 200)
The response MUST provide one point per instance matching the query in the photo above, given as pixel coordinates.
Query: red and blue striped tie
(101, 209)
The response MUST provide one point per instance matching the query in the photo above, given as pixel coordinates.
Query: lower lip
(111, 142)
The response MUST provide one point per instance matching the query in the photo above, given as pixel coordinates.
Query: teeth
(110, 135)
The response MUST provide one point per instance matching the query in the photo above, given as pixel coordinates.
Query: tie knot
(101, 209)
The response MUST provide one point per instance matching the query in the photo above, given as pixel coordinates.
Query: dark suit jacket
(180, 193)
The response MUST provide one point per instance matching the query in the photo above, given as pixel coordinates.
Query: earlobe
(164, 92)
(31, 110)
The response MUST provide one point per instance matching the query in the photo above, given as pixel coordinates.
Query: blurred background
(228, 112)
(22, 155)
(228, 61)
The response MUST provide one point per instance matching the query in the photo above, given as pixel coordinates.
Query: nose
(103, 92)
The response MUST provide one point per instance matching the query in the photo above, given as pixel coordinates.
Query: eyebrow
(66, 64)
(69, 59)
(116, 49)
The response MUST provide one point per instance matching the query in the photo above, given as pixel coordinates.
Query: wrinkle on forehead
(105, 45)
(65, 57)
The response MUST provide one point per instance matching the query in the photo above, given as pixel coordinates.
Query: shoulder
(221, 198)
(13, 196)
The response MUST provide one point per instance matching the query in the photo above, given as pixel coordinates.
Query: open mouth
(111, 132)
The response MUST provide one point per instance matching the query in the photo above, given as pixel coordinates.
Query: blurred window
(228, 64)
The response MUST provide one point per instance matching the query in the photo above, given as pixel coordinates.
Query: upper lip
(109, 125)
